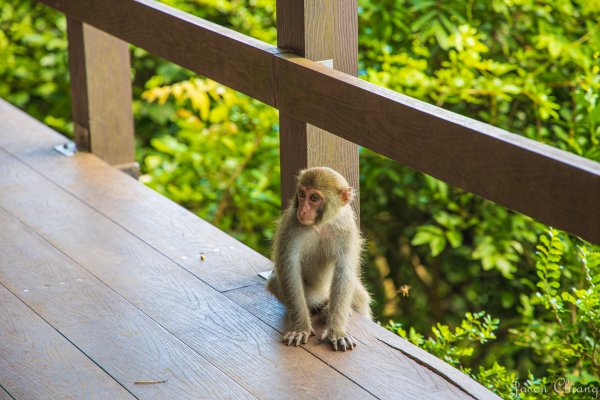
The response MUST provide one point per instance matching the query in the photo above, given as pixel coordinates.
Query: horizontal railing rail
(548, 184)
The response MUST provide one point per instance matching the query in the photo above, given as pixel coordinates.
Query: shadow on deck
(102, 285)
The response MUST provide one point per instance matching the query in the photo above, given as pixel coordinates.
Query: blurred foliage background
(486, 289)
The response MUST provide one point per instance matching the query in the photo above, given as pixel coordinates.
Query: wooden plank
(345, 32)
(385, 373)
(318, 30)
(553, 186)
(122, 340)
(101, 93)
(37, 362)
(293, 142)
(231, 339)
(182, 237)
(233, 59)
(78, 84)
(4, 394)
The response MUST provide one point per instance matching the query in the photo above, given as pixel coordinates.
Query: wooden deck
(102, 285)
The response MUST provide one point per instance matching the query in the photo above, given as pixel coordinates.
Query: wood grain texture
(373, 364)
(327, 149)
(243, 347)
(80, 111)
(293, 141)
(290, 25)
(553, 186)
(182, 236)
(327, 32)
(345, 32)
(228, 57)
(114, 334)
(101, 93)
(4, 395)
(36, 362)
(317, 25)
(232, 339)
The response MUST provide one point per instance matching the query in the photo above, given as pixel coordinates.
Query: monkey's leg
(292, 291)
(340, 306)
(361, 300)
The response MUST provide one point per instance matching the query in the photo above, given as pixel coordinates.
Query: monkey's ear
(300, 173)
(346, 195)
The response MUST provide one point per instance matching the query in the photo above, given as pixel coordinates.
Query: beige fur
(317, 267)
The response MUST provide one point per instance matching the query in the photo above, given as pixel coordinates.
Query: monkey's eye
(301, 193)
(314, 198)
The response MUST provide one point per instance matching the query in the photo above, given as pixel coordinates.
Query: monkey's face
(310, 205)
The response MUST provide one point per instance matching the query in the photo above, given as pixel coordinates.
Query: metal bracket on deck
(265, 275)
(327, 63)
(66, 149)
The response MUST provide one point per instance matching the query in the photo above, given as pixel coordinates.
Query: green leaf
(568, 297)
(421, 21)
(201, 102)
(504, 266)
(437, 245)
(422, 237)
(455, 238)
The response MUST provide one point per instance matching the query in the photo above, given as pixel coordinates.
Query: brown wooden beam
(233, 59)
(319, 30)
(551, 185)
(101, 93)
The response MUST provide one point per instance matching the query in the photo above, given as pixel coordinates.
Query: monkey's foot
(343, 341)
(297, 337)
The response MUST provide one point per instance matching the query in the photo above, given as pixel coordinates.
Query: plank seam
(239, 308)
(313, 354)
(233, 303)
(5, 389)
(340, 372)
(238, 288)
(31, 229)
(427, 365)
(115, 222)
(52, 326)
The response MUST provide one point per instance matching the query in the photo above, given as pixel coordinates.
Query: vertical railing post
(320, 30)
(101, 95)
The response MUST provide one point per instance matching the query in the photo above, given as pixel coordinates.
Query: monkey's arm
(340, 304)
(289, 276)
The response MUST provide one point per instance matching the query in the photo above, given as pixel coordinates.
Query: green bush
(222, 162)
(559, 324)
(33, 61)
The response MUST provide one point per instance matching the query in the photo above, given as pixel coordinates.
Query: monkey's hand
(298, 336)
(339, 340)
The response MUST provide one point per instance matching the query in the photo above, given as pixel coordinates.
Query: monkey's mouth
(306, 221)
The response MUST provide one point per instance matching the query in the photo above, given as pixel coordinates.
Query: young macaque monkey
(316, 251)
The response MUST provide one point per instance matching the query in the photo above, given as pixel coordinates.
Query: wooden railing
(553, 186)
